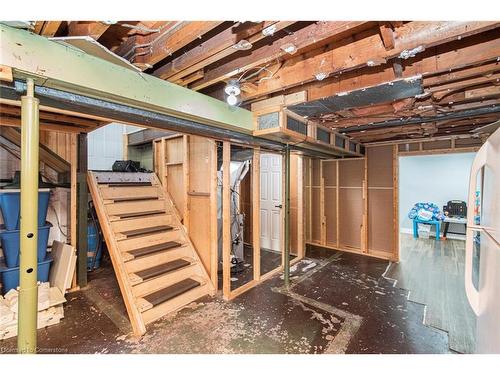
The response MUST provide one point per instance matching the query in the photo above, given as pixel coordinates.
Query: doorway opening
(433, 191)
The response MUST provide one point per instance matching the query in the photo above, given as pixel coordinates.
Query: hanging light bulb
(232, 99)
(232, 90)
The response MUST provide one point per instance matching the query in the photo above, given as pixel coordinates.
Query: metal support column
(28, 292)
(82, 208)
(286, 266)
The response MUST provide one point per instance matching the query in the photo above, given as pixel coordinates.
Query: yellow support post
(28, 292)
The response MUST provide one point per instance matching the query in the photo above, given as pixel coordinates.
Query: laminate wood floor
(433, 273)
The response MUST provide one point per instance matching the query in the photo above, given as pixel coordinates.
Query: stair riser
(129, 191)
(116, 209)
(152, 285)
(145, 262)
(153, 239)
(174, 304)
(146, 222)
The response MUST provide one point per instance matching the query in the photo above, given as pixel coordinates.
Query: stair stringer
(134, 314)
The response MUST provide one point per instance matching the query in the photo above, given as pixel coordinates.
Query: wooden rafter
(48, 28)
(166, 43)
(314, 35)
(90, 28)
(217, 43)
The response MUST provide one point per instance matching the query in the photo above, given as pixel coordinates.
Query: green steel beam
(28, 290)
(67, 68)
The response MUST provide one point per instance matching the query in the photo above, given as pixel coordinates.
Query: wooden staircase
(156, 265)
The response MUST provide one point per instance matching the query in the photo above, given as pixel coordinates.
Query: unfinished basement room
(227, 186)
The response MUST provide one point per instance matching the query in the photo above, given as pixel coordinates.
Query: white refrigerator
(482, 258)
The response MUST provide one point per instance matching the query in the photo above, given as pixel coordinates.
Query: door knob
(279, 206)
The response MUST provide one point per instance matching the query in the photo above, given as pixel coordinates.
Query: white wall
(105, 145)
(434, 178)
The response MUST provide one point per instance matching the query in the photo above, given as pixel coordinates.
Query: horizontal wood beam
(90, 28)
(166, 43)
(410, 40)
(310, 36)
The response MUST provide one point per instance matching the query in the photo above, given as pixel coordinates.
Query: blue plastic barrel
(10, 240)
(10, 204)
(92, 247)
(10, 276)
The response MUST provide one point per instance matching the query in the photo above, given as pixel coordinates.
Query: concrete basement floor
(337, 303)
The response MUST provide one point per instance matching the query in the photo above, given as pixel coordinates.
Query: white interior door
(270, 201)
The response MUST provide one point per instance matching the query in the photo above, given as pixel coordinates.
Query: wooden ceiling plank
(50, 28)
(166, 43)
(16, 111)
(412, 38)
(44, 125)
(38, 27)
(439, 92)
(316, 34)
(91, 28)
(210, 47)
(228, 51)
(449, 77)
(190, 78)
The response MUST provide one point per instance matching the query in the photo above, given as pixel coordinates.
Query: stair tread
(135, 198)
(154, 248)
(137, 214)
(162, 269)
(125, 184)
(172, 291)
(150, 230)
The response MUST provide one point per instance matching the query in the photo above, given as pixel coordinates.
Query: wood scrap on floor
(50, 294)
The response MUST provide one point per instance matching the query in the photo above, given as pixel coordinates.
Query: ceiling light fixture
(232, 91)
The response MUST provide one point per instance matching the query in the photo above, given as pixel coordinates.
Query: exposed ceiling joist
(196, 57)
(314, 35)
(411, 39)
(93, 29)
(48, 28)
(166, 43)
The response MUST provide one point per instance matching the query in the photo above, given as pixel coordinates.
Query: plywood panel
(316, 172)
(246, 206)
(331, 216)
(315, 215)
(199, 164)
(351, 172)
(308, 210)
(199, 207)
(350, 217)
(437, 145)
(175, 185)
(174, 150)
(330, 172)
(380, 166)
(380, 221)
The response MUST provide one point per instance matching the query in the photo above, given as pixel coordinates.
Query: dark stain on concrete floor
(337, 303)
